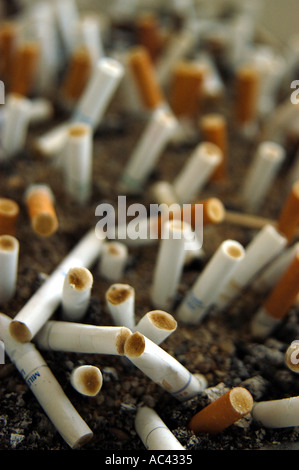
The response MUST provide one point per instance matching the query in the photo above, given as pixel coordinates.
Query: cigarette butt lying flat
(144, 75)
(292, 357)
(45, 387)
(223, 412)
(214, 129)
(185, 90)
(277, 413)
(9, 213)
(288, 219)
(39, 201)
(87, 380)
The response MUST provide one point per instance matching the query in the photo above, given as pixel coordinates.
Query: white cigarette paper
(148, 150)
(196, 172)
(282, 413)
(113, 261)
(266, 164)
(15, 125)
(82, 338)
(170, 263)
(153, 432)
(163, 368)
(45, 387)
(204, 292)
(262, 249)
(41, 306)
(78, 153)
(76, 293)
(156, 325)
(87, 380)
(9, 261)
(67, 15)
(120, 301)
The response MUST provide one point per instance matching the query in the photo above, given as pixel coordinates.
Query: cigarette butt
(185, 89)
(214, 129)
(77, 75)
(288, 219)
(292, 357)
(87, 380)
(120, 300)
(9, 213)
(39, 201)
(8, 35)
(285, 292)
(24, 68)
(9, 257)
(15, 125)
(144, 75)
(246, 94)
(156, 325)
(213, 211)
(113, 260)
(148, 34)
(281, 413)
(76, 293)
(223, 412)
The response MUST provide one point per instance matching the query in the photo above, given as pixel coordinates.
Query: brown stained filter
(214, 129)
(9, 213)
(24, 67)
(119, 293)
(144, 74)
(148, 34)
(8, 243)
(223, 412)
(121, 340)
(42, 213)
(284, 293)
(80, 278)
(246, 94)
(8, 35)
(185, 89)
(288, 219)
(162, 320)
(77, 76)
(134, 345)
(292, 357)
(90, 380)
(19, 331)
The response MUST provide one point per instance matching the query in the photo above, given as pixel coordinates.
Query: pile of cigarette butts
(165, 63)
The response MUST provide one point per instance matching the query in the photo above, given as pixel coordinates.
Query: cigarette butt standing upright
(9, 214)
(262, 172)
(163, 368)
(185, 89)
(150, 146)
(223, 412)
(143, 73)
(40, 204)
(120, 301)
(87, 380)
(15, 126)
(113, 260)
(153, 432)
(45, 387)
(196, 172)
(214, 129)
(148, 34)
(8, 37)
(24, 68)
(9, 260)
(77, 164)
(246, 96)
(262, 249)
(41, 306)
(169, 263)
(77, 76)
(281, 413)
(288, 219)
(76, 293)
(210, 282)
(278, 302)
(82, 338)
(156, 325)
